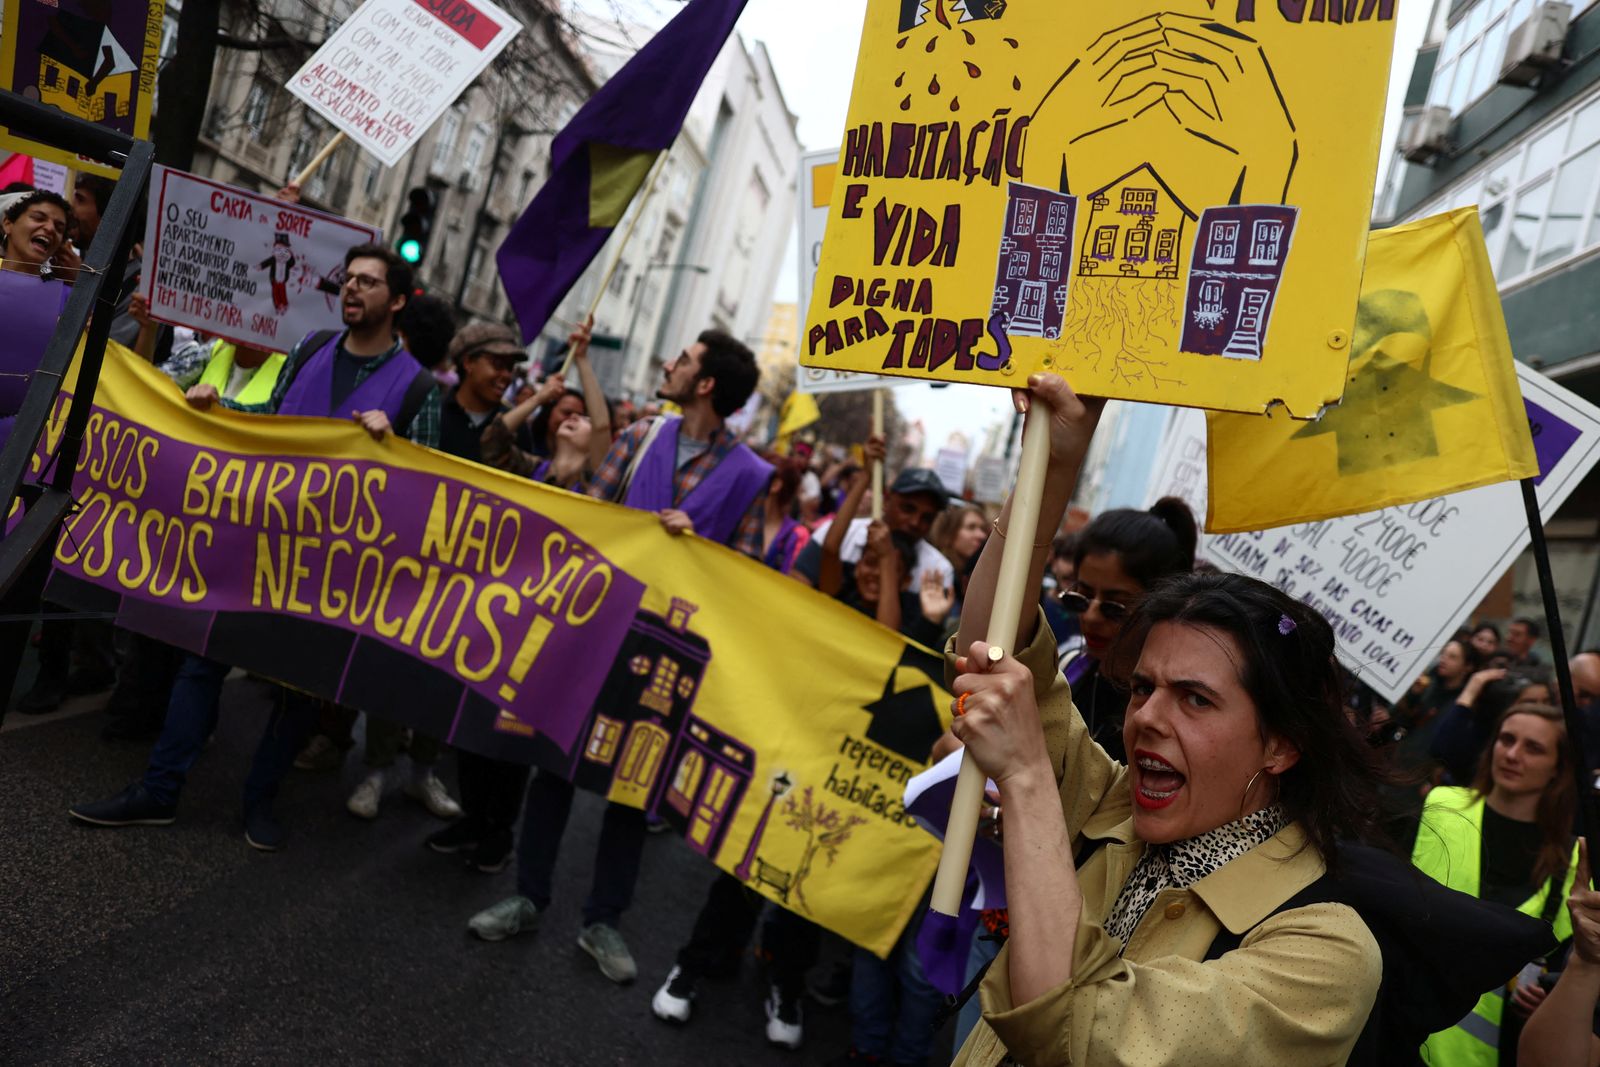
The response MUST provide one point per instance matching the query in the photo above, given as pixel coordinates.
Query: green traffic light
(411, 250)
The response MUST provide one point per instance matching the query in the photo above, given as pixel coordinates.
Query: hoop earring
(1247, 787)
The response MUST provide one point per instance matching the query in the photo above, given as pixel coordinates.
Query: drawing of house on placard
(1234, 273)
(1031, 275)
(1135, 228)
(83, 70)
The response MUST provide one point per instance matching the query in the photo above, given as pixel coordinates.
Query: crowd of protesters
(1473, 766)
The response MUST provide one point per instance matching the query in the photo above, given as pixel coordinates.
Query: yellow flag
(1431, 404)
(799, 411)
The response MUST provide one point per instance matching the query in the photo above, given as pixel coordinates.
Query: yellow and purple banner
(771, 726)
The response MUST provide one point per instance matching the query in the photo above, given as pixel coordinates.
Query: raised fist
(1194, 98)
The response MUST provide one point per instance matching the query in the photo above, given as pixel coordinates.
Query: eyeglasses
(363, 283)
(1075, 602)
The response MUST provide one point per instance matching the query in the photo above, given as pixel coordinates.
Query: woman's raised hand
(999, 721)
(1072, 418)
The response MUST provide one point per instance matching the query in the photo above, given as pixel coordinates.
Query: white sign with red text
(394, 66)
(258, 271)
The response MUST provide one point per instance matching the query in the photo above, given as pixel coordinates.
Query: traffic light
(416, 224)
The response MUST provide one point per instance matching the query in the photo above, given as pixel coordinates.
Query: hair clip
(1285, 625)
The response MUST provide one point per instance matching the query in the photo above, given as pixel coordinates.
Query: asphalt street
(183, 945)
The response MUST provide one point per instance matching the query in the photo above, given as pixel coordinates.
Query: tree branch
(266, 44)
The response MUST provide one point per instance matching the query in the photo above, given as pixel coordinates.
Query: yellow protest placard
(1162, 201)
(93, 60)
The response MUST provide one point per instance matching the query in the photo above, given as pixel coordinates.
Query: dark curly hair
(1295, 682)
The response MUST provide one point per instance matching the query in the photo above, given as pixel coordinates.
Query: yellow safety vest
(258, 390)
(1449, 850)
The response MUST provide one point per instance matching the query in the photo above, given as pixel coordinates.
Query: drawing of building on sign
(1237, 265)
(83, 70)
(644, 747)
(1135, 228)
(710, 772)
(1031, 275)
(642, 706)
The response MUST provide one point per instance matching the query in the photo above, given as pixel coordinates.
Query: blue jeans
(192, 716)
(982, 952)
(892, 1006)
(616, 858)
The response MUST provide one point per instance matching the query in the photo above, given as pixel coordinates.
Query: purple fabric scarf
(383, 390)
(720, 499)
(543, 469)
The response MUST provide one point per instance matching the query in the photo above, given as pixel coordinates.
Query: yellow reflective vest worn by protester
(258, 390)
(1449, 849)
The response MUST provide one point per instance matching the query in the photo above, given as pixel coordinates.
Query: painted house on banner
(84, 71)
(1135, 229)
(645, 748)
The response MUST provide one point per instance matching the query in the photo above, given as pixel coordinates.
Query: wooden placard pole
(319, 159)
(877, 464)
(1013, 589)
(1589, 809)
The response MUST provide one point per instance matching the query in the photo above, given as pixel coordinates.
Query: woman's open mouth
(1156, 782)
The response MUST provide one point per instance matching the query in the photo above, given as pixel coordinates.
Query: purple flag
(601, 159)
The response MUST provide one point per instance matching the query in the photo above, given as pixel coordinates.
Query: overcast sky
(812, 48)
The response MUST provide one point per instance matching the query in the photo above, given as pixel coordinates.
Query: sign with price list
(394, 66)
(1396, 583)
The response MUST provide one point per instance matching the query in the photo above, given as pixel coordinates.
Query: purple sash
(384, 389)
(32, 308)
(720, 499)
(780, 557)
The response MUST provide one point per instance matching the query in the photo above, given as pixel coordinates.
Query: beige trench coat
(1296, 993)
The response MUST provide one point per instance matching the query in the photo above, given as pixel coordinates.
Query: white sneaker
(674, 999)
(783, 1020)
(364, 801)
(431, 794)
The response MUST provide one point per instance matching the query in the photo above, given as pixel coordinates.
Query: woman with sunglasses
(1120, 555)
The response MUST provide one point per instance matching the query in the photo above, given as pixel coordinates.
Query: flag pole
(319, 159)
(600, 292)
(1582, 767)
(877, 464)
(1012, 589)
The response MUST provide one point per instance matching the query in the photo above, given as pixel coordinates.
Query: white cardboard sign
(817, 170)
(950, 464)
(394, 66)
(1396, 583)
(258, 271)
(990, 480)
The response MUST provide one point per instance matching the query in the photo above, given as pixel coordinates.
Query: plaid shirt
(424, 428)
(608, 479)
